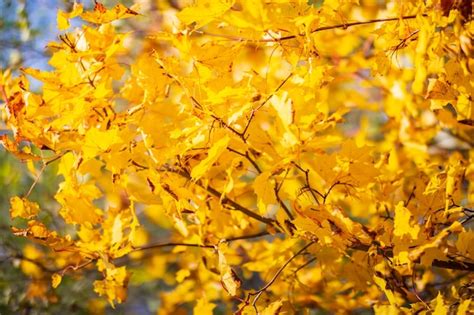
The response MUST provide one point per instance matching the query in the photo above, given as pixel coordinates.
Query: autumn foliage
(258, 157)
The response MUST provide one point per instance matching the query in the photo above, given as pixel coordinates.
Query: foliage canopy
(255, 156)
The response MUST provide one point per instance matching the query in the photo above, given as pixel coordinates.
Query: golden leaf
(204, 12)
(56, 280)
(21, 207)
(229, 280)
(403, 225)
(203, 307)
(213, 155)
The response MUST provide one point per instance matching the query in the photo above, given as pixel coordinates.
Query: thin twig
(308, 185)
(331, 188)
(247, 156)
(246, 237)
(252, 113)
(225, 201)
(446, 264)
(237, 206)
(4, 95)
(258, 293)
(75, 267)
(344, 26)
(276, 189)
(171, 244)
(316, 30)
(30, 260)
(306, 264)
(36, 180)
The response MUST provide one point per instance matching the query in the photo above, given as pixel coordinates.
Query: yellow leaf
(27, 265)
(101, 15)
(12, 147)
(441, 308)
(62, 20)
(117, 233)
(464, 307)
(182, 274)
(229, 278)
(273, 309)
(391, 296)
(214, 153)
(97, 141)
(438, 90)
(66, 164)
(56, 280)
(264, 189)
(20, 207)
(284, 108)
(386, 310)
(204, 12)
(77, 203)
(114, 284)
(203, 307)
(63, 17)
(402, 222)
(465, 243)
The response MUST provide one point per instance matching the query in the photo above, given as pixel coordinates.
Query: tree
(256, 156)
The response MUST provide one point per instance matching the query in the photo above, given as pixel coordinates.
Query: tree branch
(172, 244)
(236, 206)
(225, 201)
(316, 30)
(247, 156)
(275, 276)
(346, 26)
(446, 264)
(252, 113)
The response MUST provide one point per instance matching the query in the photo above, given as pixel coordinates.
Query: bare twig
(259, 292)
(247, 156)
(171, 244)
(316, 30)
(225, 201)
(308, 185)
(254, 111)
(446, 264)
